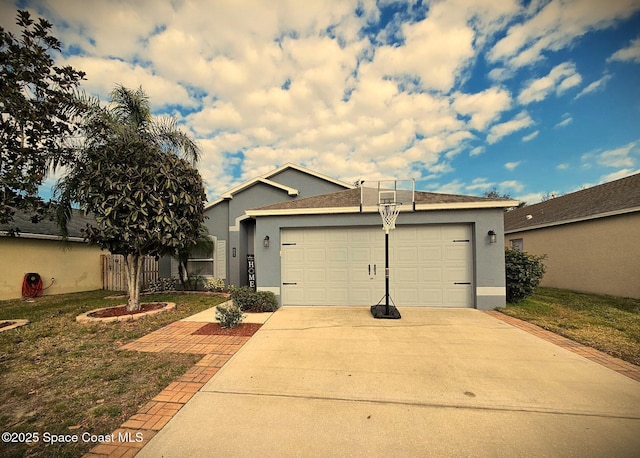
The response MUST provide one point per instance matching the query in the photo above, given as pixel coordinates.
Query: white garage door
(431, 265)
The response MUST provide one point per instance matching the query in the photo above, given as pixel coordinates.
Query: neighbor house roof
(608, 199)
(351, 201)
(46, 228)
(266, 179)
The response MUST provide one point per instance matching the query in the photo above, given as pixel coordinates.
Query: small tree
(145, 202)
(524, 273)
(38, 109)
(145, 199)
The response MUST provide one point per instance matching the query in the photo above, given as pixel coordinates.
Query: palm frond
(171, 139)
(131, 106)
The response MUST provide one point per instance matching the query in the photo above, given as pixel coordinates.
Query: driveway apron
(333, 381)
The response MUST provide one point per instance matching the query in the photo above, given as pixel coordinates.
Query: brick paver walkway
(138, 430)
(630, 370)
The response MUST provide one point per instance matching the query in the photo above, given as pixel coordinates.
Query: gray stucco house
(314, 240)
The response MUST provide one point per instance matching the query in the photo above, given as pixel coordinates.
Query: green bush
(162, 285)
(266, 301)
(229, 316)
(524, 273)
(256, 301)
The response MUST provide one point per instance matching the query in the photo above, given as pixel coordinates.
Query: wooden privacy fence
(114, 273)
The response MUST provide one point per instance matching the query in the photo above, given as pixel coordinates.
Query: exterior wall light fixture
(493, 238)
(265, 242)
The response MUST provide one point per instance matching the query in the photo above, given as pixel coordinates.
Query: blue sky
(529, 97)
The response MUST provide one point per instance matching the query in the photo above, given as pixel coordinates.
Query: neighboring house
(313, 240)
(591, 238)
(38, 247)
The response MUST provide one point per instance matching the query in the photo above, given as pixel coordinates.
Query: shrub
(229, 316)
(162, 285)
(257, 301)
(214, 285)
(266, 301)
(524, 273)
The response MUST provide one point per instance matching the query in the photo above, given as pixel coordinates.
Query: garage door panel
(314, 276)
(405, 275)
(337, 275)
(407, 254)
(405, 295)
(427, 254)
(431, 297)
(360, 255)
(458, 296)
(337, 255)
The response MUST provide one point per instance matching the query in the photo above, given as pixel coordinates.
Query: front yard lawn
(607, 323)
(62, 377)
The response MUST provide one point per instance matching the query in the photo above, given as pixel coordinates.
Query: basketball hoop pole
(389, 213)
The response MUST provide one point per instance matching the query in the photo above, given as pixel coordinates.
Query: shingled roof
(349, 201)
(46, 228)
(613, 198)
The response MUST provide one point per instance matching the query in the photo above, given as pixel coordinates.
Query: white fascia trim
(229, 194)
(291, 165)
(58, 238)
(575, 220)
(468, 205)
(304, 211)
(239, 219)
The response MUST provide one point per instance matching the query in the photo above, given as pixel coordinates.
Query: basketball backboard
(376, 192)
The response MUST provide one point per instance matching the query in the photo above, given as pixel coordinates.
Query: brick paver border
(623, 367)
(138, 430)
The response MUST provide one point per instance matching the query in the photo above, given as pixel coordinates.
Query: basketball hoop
(389, 210)
(389, 213)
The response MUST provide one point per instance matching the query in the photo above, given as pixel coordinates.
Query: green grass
(63, 377)
(607, 323)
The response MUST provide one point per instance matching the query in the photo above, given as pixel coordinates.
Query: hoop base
(380, 311)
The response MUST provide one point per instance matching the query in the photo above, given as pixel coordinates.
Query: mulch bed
(214, 329)
(122, 310)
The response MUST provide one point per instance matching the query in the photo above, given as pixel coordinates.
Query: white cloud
(554, 25)
(511, 166)
(484, 107)
(499, 131)
(566, 120)
(562, 77)
(619, 174)
(512, 184)
(563, 166)
(597, 85)
(623, 156)
(531, 136)
(630, 53)
(104, 74)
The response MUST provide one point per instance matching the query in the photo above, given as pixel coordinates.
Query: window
(517, 244)
(201, 261)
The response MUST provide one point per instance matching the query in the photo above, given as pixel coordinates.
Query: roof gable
(270, 180)
(613, 198)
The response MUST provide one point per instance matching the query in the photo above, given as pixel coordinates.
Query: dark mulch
(214, 329)
(122, 310)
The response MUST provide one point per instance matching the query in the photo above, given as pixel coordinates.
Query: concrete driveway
(333, 381)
